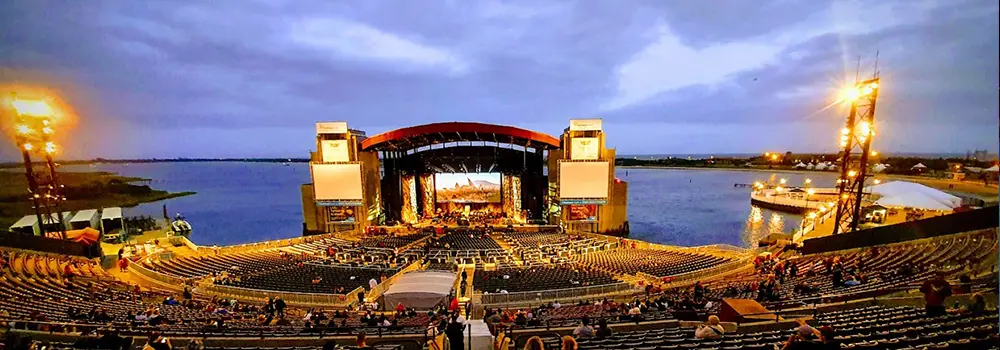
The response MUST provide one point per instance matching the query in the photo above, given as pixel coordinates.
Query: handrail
(501, 298)
(339, 300)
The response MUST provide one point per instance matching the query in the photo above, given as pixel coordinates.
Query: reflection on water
(246, 202)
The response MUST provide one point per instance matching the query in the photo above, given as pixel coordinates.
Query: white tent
(421, 290)
(27, 225)
(878, 168)
(994, 168)
(821, 166)
(919, 166)
(914, 195)
(810, 166)
(800, 165)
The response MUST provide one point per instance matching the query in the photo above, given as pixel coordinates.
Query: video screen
(467, 187)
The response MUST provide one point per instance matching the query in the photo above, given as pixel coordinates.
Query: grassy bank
(83, 190)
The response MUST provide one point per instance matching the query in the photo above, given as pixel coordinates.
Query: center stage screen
(467, 187)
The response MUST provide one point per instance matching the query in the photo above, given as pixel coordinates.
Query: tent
(878, 168)
(994, 168)
(421, 290)
(800, 165)
(87, 236)
(810, 166)
(821, 166)
(913, 195)
(26, 225)
(919, 166)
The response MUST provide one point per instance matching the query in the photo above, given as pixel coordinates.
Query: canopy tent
(84, 218)
(878, 168)
(919, 166)
(810, 166)
(800, 165)
(87, 236)
(27, 225)
(914, 195)
(421, 290)
(821, 166)
(995, 168)
(111, 219)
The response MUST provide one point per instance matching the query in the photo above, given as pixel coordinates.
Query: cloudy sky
(234, 78)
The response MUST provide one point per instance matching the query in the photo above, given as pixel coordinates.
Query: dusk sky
(249, 78)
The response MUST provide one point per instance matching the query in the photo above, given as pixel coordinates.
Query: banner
(331, 128)
(585, 212)
(585, 125)
(334, 151)
(585, 148)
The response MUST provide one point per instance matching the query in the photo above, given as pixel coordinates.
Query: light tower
(855, 141)
(33, 134)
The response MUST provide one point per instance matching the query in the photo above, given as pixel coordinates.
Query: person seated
(710, 330)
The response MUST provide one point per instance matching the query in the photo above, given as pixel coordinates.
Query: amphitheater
(542, 280)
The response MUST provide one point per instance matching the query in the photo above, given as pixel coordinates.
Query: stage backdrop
(409, 210)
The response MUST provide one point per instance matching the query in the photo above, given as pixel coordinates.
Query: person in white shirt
(372, 283)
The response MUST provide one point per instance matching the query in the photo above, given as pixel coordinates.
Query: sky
(249, 78)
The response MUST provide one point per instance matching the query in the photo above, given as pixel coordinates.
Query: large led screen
(337, 181)
(467, 187)
(583, 179)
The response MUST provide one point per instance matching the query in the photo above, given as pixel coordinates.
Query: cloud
(362, 42)
(668, 65)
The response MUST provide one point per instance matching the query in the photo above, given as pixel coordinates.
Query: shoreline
(987, 193)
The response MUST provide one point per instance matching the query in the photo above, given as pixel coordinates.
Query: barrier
(974, 220)
(555, 294)
(143, 272)
(45, 244)
(336, 300)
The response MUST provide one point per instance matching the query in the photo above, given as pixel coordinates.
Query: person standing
(935, 291)
(455, 331)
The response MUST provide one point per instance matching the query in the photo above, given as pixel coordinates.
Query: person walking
(935, 291)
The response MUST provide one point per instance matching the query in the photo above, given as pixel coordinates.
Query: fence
(337, 300)
(682, 279)
(555, 294)
(142, 271)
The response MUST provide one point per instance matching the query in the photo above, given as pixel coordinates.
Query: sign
(323, 128)
(583, 201)
(584, 212)
(585, 125)
(334, 151)
(340, 214)
(333, 203)
(584, 148)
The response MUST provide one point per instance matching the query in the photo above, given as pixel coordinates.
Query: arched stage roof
(436, 133)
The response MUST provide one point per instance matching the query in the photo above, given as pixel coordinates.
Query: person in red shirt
(454, 305)
(123, 265)
(935, 291)
(400, 308)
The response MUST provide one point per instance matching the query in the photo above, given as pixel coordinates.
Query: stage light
(812, 215)
(808, 181)
(34, 108)
(850, 94)
(29, 147)
(864, 128)
(47, 130)
(783, 181)
(811, 191)
(778, 189)
(23, 129)
(50, 147)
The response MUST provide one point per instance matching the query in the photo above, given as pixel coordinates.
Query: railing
(384, 286)
(142, 271)
(554, 294)
(278, 243)
(337, 300)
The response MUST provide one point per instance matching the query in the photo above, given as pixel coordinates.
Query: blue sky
(248, 78)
